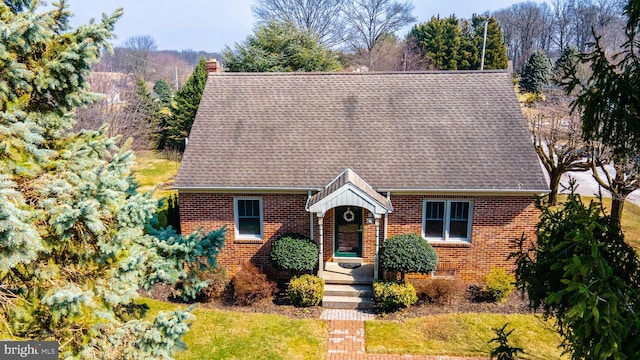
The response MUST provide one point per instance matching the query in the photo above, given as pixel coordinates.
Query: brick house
(350, 159)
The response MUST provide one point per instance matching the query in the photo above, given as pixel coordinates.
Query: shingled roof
(430, 131)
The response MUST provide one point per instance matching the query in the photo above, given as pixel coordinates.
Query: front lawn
(217, 334)
(461, 335)
(154, 169)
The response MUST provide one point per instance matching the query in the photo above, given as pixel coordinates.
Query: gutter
(401, 191)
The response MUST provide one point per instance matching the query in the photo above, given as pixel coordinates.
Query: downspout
(310, 218)
(375, 262)
(386, 219)
(321, 240)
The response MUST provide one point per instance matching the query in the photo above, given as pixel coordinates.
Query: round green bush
(294, 252)
(306, 290)
(392, 295)
(408, 253)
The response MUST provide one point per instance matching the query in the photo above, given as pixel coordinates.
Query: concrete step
(349, 281)
(349, 290)
(347, 302)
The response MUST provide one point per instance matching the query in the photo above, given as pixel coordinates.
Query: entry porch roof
(348, 189)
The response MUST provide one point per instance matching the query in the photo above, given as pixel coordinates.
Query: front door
(348, 237)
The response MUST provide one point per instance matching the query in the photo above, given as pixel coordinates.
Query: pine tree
(163, 92)
(535, 73)
(470, 47)
(495, 56)
(280, 47)
(184, 107)
(163, 117)
(73, 243)
(456, 44)
(440, 40)
(609, 102)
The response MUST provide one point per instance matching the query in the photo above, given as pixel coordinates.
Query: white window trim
(447, 223)
(236, 219)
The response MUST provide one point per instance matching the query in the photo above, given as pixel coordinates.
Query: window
(248, 218)
(447, 220)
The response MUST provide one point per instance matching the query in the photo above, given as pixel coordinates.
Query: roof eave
(390, 190)
(276, 189)
(468, 191)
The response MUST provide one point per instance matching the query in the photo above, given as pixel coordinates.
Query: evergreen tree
(163, 92)
(456, 44)
(535, 73)
(609, 101)
(495, 55)
(161, 124)
(568, 59)
(581, 273)
(73, 248)
(440, 40)
(184, 107)
(280, 47)
(470, 47)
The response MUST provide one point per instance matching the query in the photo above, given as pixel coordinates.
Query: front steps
(343, 296)
(347, 288)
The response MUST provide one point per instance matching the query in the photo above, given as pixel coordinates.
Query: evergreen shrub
(408, 253)
(306, 290)
(294, 252)
(498, 284)
(392, 295)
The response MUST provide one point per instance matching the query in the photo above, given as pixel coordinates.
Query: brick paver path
(346, 339)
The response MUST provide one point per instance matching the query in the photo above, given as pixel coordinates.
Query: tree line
(551, 27)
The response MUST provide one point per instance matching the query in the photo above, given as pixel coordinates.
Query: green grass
(154, 169)
(219, 334)
(461, 335)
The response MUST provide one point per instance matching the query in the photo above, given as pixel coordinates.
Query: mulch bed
(280, 304)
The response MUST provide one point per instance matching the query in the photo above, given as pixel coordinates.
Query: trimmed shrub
(438, 291)
(250, 285)
(392, 295)
(306, 290)
(498, 284)
(218, 281)
(408, 253)
(295, 253)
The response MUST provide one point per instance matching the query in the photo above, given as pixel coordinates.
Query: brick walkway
(346, 339)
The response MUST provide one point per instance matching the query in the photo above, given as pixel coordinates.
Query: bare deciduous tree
(367, 21)
(530, 26)
(563, 33)
(138, 49)
(556, 136)
(127, 113)
(322, 18)
(391, 54)
(622, 181)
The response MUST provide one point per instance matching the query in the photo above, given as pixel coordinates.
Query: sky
(210, 25)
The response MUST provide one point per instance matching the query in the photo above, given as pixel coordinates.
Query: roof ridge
(372, 73)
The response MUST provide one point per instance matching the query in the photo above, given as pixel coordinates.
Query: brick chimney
(213, 66)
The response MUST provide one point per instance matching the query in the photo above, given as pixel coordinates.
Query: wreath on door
(348, 215)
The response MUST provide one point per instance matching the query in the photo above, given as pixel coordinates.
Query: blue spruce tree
(74, 246)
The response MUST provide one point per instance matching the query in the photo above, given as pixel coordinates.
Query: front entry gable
(348, 189)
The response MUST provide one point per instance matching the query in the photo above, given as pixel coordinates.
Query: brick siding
(497, 220)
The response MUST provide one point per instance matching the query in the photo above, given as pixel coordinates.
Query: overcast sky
(210, 25)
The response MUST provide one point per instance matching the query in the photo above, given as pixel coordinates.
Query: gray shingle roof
(415, 131)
